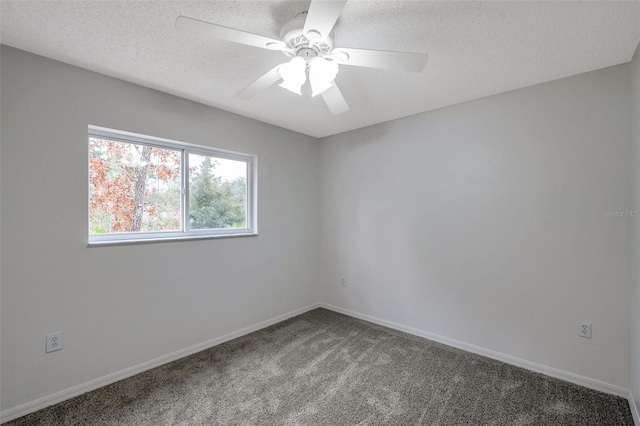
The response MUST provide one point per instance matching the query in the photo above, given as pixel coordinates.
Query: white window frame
(185, 148)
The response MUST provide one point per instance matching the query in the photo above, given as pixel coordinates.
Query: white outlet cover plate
(584, 329)
(54, 341)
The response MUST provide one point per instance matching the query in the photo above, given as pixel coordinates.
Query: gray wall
(635, 230)
(120, 306)
(485, 222)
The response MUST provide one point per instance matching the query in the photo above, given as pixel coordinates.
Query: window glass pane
(133, 188)
(217, 193)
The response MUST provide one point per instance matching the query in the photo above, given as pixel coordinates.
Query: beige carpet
(323, 368)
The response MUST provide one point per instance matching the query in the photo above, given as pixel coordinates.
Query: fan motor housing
(299, 44)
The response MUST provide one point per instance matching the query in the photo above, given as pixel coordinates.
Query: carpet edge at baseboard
(57, 397)
(634, 408)
(499, 356)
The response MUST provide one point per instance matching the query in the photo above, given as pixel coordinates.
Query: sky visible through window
(225, 168)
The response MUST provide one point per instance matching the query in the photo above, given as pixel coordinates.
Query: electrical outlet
(343, 282)
(54, 341)
(584, 329)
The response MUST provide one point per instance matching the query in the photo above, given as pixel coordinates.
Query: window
(145, 188)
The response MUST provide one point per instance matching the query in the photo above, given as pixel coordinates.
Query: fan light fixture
(322, 72)
(294, 74)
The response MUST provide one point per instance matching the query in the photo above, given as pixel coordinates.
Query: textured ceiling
(475, 49)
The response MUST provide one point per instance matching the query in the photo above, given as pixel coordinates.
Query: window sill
(166, 240)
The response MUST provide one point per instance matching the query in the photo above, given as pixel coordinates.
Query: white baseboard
(518, 362)
(74, 391)
(40, 403)
(634, 409)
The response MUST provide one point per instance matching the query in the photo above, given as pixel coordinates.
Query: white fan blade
(263, 83)
(334, 100)
(397, 61)
(229, 34)
(321, 18)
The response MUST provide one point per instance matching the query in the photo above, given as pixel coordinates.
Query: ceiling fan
(308, 41)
